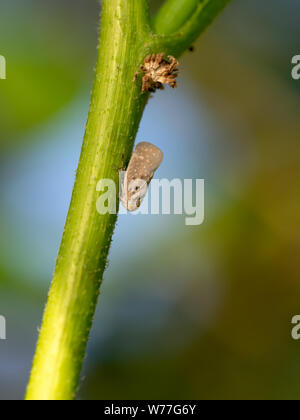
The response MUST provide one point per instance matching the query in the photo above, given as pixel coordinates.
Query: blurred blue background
(191, 312)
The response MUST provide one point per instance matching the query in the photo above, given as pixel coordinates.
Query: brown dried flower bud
(158, 72)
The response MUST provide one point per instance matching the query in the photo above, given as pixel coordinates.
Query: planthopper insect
(144, 161)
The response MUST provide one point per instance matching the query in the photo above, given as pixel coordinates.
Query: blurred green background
(185, 312)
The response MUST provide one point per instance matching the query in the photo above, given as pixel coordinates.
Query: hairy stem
(115, 112)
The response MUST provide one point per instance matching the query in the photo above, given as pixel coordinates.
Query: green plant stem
(185, 35)
(173, 15)
(115, 112)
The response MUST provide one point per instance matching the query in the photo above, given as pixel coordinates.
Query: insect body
(145, 160)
